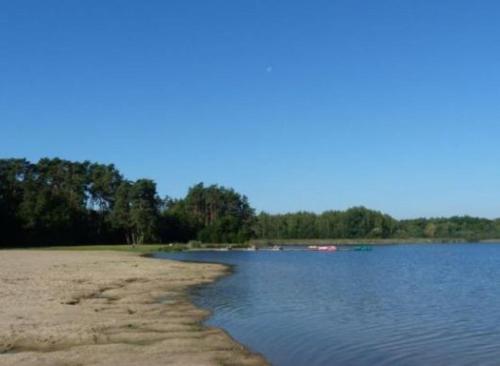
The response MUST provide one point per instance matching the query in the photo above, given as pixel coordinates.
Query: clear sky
(312, 105)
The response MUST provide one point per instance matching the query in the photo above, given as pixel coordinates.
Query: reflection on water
(408, 304)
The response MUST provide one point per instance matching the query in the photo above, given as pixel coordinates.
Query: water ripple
(396, 305)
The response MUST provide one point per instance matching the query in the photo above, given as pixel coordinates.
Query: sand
(76, 308)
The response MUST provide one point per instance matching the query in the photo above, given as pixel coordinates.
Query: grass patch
(143, 248)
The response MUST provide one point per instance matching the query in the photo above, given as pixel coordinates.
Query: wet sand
(75, 308)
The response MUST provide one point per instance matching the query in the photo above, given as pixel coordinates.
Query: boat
(323, 248)
(327, 248)
(363, 248)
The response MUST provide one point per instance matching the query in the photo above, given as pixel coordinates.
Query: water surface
(405, 304)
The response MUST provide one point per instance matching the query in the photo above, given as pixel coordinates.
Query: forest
(61, 202)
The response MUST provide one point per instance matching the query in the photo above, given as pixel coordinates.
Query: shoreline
(354, 242)
(301, 245)
(108, 308)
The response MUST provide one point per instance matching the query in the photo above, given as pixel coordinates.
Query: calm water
(395, 305)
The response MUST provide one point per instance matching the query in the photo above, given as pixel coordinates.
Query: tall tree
(120, 214)
(216, 213)
(144, 211)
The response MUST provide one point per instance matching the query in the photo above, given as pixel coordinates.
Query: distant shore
(361, 241)
(107, 308)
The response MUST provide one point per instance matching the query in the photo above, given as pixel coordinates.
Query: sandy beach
(76, 308)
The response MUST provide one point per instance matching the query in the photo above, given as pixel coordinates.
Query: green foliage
(144, 211)
(464, 227)
(120, 213)
(61, 202)
(215, 213)
(56, 201)
(356, 222)
(359, 222)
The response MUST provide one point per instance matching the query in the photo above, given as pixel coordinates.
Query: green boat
(363, 248)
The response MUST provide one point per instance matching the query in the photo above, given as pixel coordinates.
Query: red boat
(324, 248)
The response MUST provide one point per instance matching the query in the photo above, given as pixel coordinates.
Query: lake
(399, 304)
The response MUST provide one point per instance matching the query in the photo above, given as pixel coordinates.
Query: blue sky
(301, 105)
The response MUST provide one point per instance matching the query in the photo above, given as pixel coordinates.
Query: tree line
(360, 222)
(61, 202)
